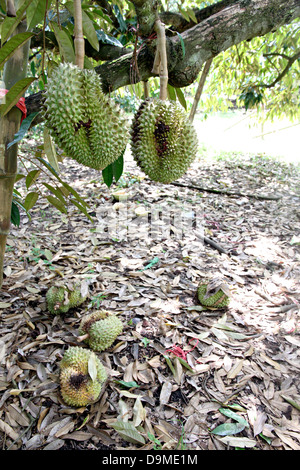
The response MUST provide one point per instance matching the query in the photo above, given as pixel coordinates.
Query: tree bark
(15, 69)
(237, 21)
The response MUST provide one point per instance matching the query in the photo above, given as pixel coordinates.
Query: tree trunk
(15, 69)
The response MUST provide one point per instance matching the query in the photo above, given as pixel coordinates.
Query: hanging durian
(81, 376)
(163, 140)
(82, 120)
(101, 329)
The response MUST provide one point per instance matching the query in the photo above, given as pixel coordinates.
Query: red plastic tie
(179, 352)
(20, 104)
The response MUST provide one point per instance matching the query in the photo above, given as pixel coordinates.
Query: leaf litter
(181, 376)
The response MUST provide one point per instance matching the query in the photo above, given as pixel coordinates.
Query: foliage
(256, 74)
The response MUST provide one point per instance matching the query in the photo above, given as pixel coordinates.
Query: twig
(227, 193)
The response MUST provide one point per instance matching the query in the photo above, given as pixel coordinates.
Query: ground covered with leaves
(180, 376)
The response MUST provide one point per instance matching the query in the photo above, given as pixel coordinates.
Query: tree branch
(290, 60)
(240, 21)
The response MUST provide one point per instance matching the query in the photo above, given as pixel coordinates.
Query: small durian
(163, 140)
(102, 329)
(60, 299)
(83, 121)
(214, 294)
(81, 377)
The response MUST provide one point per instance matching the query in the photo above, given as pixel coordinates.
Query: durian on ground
(83, 121)
(102, 329)
(216, 298)
(60, 299)
(82, 376)
(163, 141)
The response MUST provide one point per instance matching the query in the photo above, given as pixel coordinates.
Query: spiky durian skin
(102, 328)
(82, 120)
(163, 141)
(217, 300)
(61, 299)
(76, 386)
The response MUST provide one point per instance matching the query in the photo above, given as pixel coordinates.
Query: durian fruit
(60, 299)
(83, 121)
(163, 140)
(81, 376)
(102, 329)
(214, 294)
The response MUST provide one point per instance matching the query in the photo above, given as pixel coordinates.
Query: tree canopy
(253, 44)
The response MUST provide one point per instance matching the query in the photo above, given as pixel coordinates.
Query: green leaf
(56, 191)
(231, 414)
(103, 37)
(30, 200)
(131, 384)
(182, 43)
(50, 150)
(74, 193)
(65, 43)
(92, 366)
(82, 209)
(9, 24)
(114, 170)
(32, 177)
(171, 93)
(228, 429)
(181, 97)
(128, 432)
(12, 45)
(87, 26)
(35, 13)
(121, 21)
(57, 204)
(192, 15)
(25, 125)
(184, 14)
(14, 94)
(15, 214)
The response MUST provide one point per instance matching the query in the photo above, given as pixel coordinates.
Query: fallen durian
(83, 121)
(163, 140)
(101, 328)
(81, 376)
(60, 299)
(214, 294)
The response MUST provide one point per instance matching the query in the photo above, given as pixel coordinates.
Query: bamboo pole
(160, 65)
(78, 32)
(15, 69)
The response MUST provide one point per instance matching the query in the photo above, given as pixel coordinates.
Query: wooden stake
(78, 31)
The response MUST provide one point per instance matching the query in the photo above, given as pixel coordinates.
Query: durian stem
(79, 40)
(200, 89)
(160, 65)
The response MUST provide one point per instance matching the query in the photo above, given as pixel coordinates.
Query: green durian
(83, 121)
(60, 299)
(102, 328)
(163, 140)
(77, 385)
(213, 294)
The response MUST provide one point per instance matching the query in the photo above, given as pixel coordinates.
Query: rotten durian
(81, 376)
(60, 299)
(84, 122)
(101, 328)
(163, 140)
(214, 294)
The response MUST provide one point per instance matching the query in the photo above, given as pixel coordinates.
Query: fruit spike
(82, 120)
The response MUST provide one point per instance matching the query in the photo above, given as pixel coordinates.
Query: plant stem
(160, 65)
(200, 89)
(79, 40)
